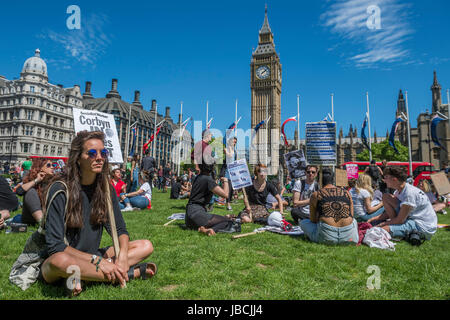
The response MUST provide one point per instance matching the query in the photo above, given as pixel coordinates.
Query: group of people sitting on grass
(329, 214)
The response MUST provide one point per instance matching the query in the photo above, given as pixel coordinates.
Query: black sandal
(142, 270)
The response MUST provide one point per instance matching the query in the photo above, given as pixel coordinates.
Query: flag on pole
(153, 136)
(434, 122)
(208, 125)
(234, 124)
(363, 134)
(134, 141)
(255, 130)
(282, 128)
(393, 131)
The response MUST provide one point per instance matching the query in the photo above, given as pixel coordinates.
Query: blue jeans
(324, 233)
(368, 216)
(134, 185)
(137, 202)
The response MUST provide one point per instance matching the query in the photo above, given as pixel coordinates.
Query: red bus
(421, 170)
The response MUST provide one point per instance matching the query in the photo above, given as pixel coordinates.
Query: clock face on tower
(263, 72)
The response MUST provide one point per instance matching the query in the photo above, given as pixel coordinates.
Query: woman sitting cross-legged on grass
(202, 191)
(73, 237)
(141, 198)
(362, 196)
(255, 202)
(331, 214)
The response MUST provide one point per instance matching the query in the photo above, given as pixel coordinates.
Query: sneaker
(127, 209)
(229, 208)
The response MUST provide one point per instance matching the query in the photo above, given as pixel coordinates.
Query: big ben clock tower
(266, 99)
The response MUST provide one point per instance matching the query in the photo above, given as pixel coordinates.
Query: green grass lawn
(263, 266)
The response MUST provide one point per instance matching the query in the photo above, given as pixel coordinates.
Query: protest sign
(441, 183)
(239, 174)
(296, 164)
(341, 178)
(321, 143)
(352, 170)
(92, 120)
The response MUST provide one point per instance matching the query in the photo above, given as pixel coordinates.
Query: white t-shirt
(358, 201)
(422, 211)
(306, 194)
(148, 191)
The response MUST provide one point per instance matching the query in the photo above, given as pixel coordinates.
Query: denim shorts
(402, 230)
(324, 233)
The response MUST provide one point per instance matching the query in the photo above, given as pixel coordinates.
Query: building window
(30, 114)
(47, 134)
(52, 150)
(38, 148)
(45, 149)
(54, 135)
(39, 132)
(26, 147)
(61, 136)
(59, 151)
(31, 88)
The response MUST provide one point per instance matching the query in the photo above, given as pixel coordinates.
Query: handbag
(25, 270)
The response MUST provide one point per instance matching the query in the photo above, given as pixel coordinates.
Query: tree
(383, 150)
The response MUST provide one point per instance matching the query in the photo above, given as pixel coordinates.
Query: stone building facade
(126, 114)
(35, 115)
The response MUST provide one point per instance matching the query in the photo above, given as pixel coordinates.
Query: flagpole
(154, 134)
(298, 122)
(267, 132)
(179, 140)
(207, 102)
(368, 122)
(235, 118)
(332, 107)
(409, 135)
(127, 145)
(448, 107)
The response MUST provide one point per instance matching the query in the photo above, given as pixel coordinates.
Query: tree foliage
(383, 150)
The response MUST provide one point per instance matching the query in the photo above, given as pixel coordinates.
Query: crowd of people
(74, 219)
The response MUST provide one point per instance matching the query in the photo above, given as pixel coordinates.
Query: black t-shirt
(31, 204)
(166, 172)
(175, 191)
(88, 238)
(8, 200)
(201, 192)
(148, 164)
(255, 197)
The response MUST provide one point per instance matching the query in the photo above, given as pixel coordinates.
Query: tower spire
(436, 94)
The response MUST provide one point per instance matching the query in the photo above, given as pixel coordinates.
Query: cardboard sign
(92, 120)
(296, 164)
(321, 143)
(441, 183)
(239, 174)
(341, 178)
(352, 170)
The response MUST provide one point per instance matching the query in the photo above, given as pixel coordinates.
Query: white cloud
(371, 48)
(85, 45)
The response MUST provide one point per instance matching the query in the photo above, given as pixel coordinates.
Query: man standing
(26, 166)
(166, 174)
(302, 193)
(148, 166)
(408, 210)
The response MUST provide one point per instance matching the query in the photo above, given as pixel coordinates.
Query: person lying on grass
(86, 177)
(202, 191)
(407, 210)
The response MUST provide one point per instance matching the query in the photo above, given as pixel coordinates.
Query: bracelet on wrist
(93, 258)
(98, 263)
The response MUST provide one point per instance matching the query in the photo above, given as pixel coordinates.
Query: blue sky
(198, 51)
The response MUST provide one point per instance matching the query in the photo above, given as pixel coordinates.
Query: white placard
(239, 174)
(92, 120)
(321, 143)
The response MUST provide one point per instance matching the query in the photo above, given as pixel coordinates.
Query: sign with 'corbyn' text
(92, 120)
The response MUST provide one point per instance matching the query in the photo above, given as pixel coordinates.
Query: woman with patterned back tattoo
(331, 214)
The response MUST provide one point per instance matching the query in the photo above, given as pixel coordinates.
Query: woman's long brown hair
(72, 177)
(36, 167)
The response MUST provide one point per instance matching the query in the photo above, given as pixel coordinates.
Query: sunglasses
(49, 165)
(312, 172)
(93, 153)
